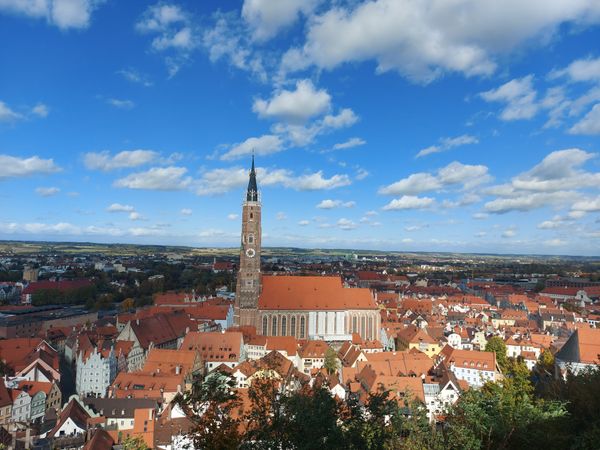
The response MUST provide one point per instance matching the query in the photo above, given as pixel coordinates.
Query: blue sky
(420, 126)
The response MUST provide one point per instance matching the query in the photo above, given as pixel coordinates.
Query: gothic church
(304, 307)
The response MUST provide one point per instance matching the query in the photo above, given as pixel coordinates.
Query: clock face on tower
(250, 253)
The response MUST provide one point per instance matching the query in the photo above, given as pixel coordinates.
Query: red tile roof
(312, 293)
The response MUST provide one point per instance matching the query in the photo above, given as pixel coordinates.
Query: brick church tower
(249, 277)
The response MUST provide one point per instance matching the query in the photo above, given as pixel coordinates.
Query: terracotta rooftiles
(312, 293)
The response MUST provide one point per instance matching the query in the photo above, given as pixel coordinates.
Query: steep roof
(215, 346)
(284, 343)
(74, 411)
(399, 363)
(470, 358)
(5, 398)
(583, 346)
(100, 440)
(311, 293)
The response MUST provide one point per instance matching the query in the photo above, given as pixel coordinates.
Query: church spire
(252, 194)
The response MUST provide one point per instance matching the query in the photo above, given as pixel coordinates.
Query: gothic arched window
(363, 327)
(274, 326)
(354, 324)
(302, 327)
(265, 326)
(284, 326)
(370, 328)
(293, 326)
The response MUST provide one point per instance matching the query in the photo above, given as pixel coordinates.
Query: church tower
(249, 277)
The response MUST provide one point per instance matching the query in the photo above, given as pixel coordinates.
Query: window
(265, 326)
(370, 328)
(251, 216)
(293, 326)
(274, 327)
(363, 327)
(302, 327)
(284, 326)
(354, 324)
(250, 238)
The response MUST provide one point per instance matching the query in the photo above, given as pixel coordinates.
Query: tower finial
(252, 194)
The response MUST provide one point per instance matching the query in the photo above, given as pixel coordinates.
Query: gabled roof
(100, 440)
(74, 411)
(583, 346)
(399, 363)
(414, 335)
(5, 397)
(215, 346)
(313, 349)
(311, 293)
(288, 344)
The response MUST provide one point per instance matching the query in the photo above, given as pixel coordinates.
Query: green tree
(331, 362)
(505, 415)
(213, 405)
(497, 345)
(127, 305)
(134, 443)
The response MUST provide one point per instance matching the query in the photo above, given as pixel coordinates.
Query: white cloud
(413, 184)
(40, 110)
(281, 216)
(555, 222)
(352, 142)
(559, 170)
(587, 205)
(455, 173)
(294, 106)
(232, 216)
(590, 124)
(346, 224)
(173, 31)
(12, 167)
(118, 207)
(135, 77)
(220, 181)
(361, 173)
(447, 144)
(230, 40)
(186, 212)
(7, 114)
(126, 159)
(344, 118)
(266, 17)
(316, 181)
(263, 145)
(529, 201)
(518, 95)
(509, 233)
(409, 202)
(47, 191)
(157, 178)
(62, 13)
(134, 215)
(331, 204)
(303, 223)
(555, 242)
(120, 103)
(580, 70)
(480, 216)
(417, 39)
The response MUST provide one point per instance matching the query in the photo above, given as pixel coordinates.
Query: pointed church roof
(252, 194)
